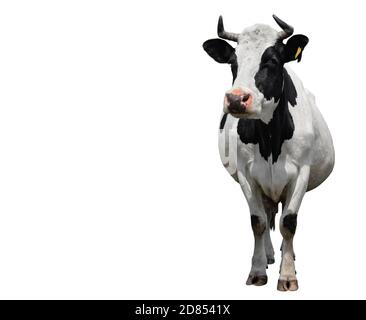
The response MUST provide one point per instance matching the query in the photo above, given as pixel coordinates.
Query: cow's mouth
(237, 110)
(238, 114)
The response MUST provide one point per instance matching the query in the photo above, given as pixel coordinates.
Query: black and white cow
(272, 139)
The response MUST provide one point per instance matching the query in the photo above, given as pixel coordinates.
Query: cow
(273, 139)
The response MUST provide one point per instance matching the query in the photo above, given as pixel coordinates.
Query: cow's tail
(271, 210)
(272, 218)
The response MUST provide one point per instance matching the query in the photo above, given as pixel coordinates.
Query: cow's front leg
(288, 223)
(257, 275)
(258, 217)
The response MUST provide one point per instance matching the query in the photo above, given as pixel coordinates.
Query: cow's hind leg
(268, 246)
(288, 223)
(271, 209)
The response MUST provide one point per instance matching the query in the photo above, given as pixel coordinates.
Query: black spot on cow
(271, 136)
(234, 67)
(290, 222)
(269, 78)
(258, 225)
(272, 78)
(223, 121)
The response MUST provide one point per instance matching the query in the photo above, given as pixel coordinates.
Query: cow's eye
(270, 63)
(273, 61)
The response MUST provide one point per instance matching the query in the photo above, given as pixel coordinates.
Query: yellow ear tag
(298, 52)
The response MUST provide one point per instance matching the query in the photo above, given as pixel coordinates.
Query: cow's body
(310, 145)
(272, 139)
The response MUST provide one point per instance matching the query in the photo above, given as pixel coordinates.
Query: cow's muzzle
(237, 101)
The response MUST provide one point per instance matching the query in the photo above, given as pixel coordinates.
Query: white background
(111, 185)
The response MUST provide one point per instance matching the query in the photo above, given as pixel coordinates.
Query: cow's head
(257, 64)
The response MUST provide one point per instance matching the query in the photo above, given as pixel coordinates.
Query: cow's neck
(271, 136)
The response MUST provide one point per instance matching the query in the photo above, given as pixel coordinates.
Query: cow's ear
(294, 47)
(219, 50)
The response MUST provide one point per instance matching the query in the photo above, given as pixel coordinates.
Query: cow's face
(257, 65)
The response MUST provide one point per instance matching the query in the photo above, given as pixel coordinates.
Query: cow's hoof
(270, 260)
(257, 280)
(287, 285)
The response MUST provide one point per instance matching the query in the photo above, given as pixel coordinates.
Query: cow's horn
(226, 35)
(287, 29)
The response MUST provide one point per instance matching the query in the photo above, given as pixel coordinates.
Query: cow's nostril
(246, 97)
